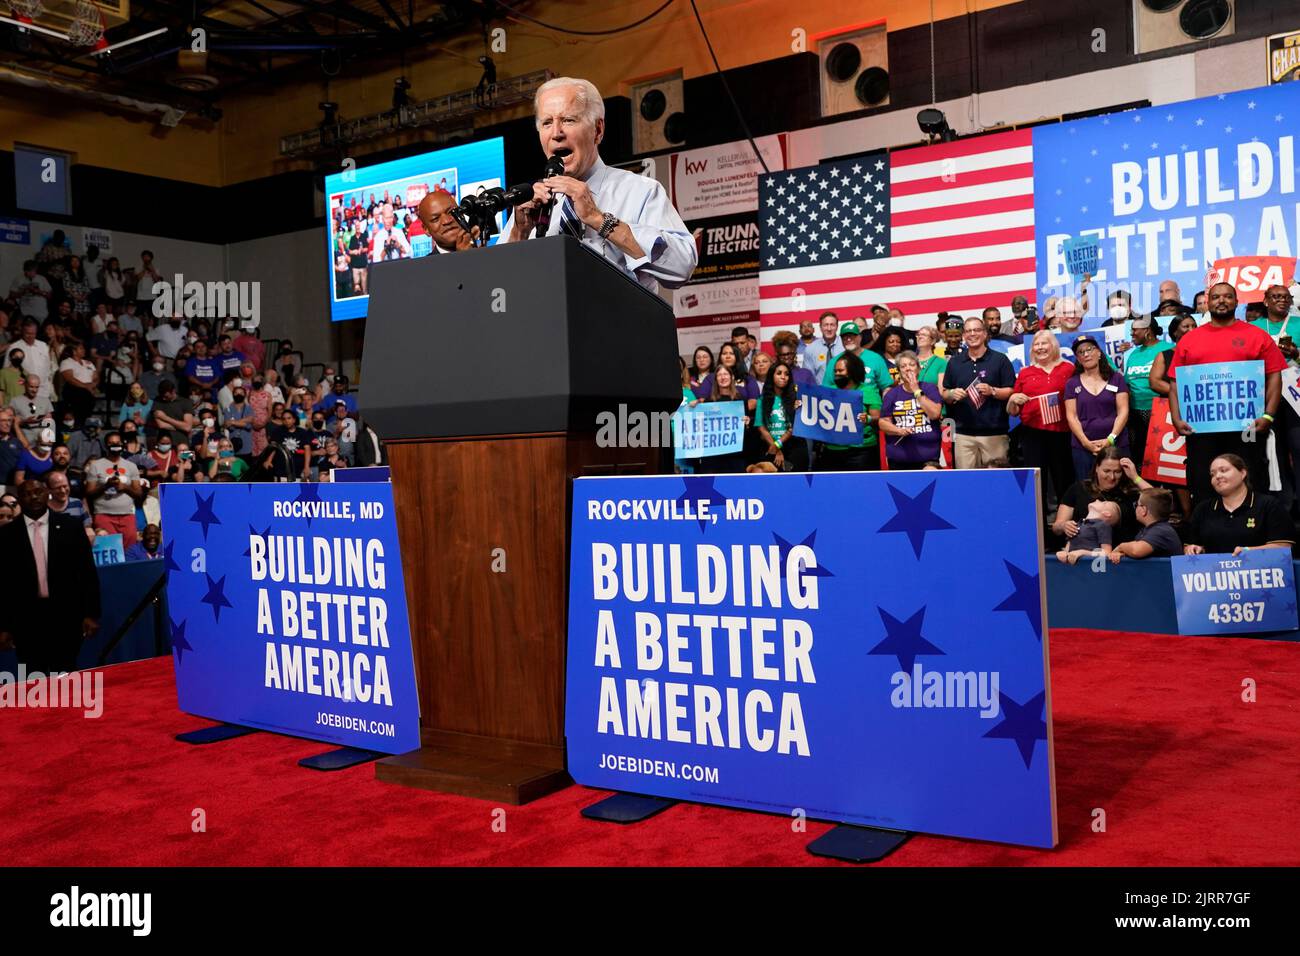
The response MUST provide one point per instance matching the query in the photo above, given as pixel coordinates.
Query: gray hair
(906, 354)
(590, 105)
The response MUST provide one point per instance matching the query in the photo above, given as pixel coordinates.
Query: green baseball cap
(850, 328)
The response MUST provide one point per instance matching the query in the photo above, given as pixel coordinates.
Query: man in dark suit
(52, 606)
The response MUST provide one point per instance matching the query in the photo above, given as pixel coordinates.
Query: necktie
(569, 221)
(38, 552)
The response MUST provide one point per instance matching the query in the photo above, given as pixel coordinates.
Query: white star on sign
(1083, 209)
(1169, 117)
(1137, 117)
(1277, 117)
(1227, 129)
(1250, 105)
(1123, 146)
(1154, 145)
(1200, 121)
(1092, 152)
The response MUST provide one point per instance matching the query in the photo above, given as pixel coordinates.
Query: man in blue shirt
(981, 420)
(340, 394)
(149, 547)
(203, 371)
(625, 217)
(819, 354)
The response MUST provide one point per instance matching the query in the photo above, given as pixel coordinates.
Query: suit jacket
(72, 577)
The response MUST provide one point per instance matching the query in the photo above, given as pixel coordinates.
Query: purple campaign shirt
(1097, 412)
(748, 389)
(907, 412)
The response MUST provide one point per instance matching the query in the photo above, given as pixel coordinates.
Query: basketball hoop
(26, 9)
(87, 27)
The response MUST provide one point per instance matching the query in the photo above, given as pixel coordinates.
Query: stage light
(935, 125)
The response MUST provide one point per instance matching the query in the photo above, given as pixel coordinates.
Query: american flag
(948, 227)
(1049, 407)
(972, 392)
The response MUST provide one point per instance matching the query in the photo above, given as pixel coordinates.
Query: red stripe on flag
(962, 147)
(976, 177)
(983, 207)
(953, 303)
(971, 240)
(864, 283)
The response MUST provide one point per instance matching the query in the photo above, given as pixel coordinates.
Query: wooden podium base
(483, 524)
(483, 767)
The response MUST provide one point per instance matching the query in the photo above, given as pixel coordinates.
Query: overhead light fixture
(935, 125)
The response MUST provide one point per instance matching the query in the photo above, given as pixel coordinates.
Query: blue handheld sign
(724, 649)
(289, 610)
(1227, 594)
(1221, 396)
(1081, 255)
(709, 428)
(829, 415)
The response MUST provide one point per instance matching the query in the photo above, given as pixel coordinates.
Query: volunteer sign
(829, 415)
(290, 610)
(722, 648)
(1235, 594)
(709, 428)
(1221, 396)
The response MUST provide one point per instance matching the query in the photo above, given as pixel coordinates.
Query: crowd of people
(944, 396)
(101, 402)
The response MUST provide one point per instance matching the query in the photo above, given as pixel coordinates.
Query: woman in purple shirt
(908, 416)
(1096, 406)
(749, 389)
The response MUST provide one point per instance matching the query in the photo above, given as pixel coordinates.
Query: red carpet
(1150, 728)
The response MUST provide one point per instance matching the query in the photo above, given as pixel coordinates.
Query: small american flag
(1211, 274)
(1049, 407)
(972, 392)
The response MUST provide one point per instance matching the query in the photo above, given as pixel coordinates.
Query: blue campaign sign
(1221, 396)
(1167, 189)
(16, 230)
(362, 473)
(726, 646)
(1080, 255)
(108, 549)
(709, 428)
(829, 415)
(289, 610)
(1226, 594)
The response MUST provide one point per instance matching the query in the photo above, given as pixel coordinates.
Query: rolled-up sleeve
(670, 255)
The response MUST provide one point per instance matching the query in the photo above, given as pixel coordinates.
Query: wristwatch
(609, 225)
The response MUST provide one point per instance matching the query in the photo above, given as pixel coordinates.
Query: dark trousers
(794, 451)
(848, 459)
(1049, 452)
(47, 641)
(1204, 448)
(1138, 423)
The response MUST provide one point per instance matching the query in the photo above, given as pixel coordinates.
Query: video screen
(370, 213)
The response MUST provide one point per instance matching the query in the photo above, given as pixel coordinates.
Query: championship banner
(1166, 450)
(829, 415)
(709, 428)
(1241, 594)
(1220, 396)
(1284, 57)
(290, 610)
(1252, 275)
(723, 649)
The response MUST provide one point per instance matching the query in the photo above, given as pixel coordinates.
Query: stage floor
(1150, 729)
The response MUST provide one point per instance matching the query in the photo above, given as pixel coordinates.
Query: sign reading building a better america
(723, 649)
(1221, 396)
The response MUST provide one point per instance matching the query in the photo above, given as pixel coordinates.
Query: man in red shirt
(1226, 339)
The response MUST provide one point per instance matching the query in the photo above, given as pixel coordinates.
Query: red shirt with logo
(1239, 342)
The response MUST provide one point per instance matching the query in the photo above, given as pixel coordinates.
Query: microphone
(554, 167)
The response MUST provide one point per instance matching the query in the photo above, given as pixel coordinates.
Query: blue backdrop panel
(754, 641)
(238, 656)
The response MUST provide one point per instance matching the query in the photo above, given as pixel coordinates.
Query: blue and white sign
(16, 230)
(108, 549)
(829, 415)
(709, 428)
(289, 610)
(725, 648)
(1167, 190)
(1220, 396)
(1227, 594)
(1081, 255)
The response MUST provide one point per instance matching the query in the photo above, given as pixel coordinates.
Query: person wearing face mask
(288, 363)
(86, 444)
(12, 377)
(206, 435)
(167, 338)
(133, 450)
(227, 463)
(239, 416)
(163, 460)
(36, 461)
(137, 406)
(320, 435)
(113, 490)
(296, 442)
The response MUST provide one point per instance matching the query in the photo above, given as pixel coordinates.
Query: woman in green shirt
(932, 366)
(850, 373)
(1137, 372)
(775, 420)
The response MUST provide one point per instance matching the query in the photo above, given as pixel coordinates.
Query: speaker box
(854, 69)
(658, 113)
(1166, 24)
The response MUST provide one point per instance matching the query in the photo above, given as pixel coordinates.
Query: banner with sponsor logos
(1235, 594)
(723, 649)
(289, 610)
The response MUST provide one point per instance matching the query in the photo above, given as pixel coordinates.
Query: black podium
(484, 371)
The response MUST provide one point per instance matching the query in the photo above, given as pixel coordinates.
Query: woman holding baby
(1114, 478)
